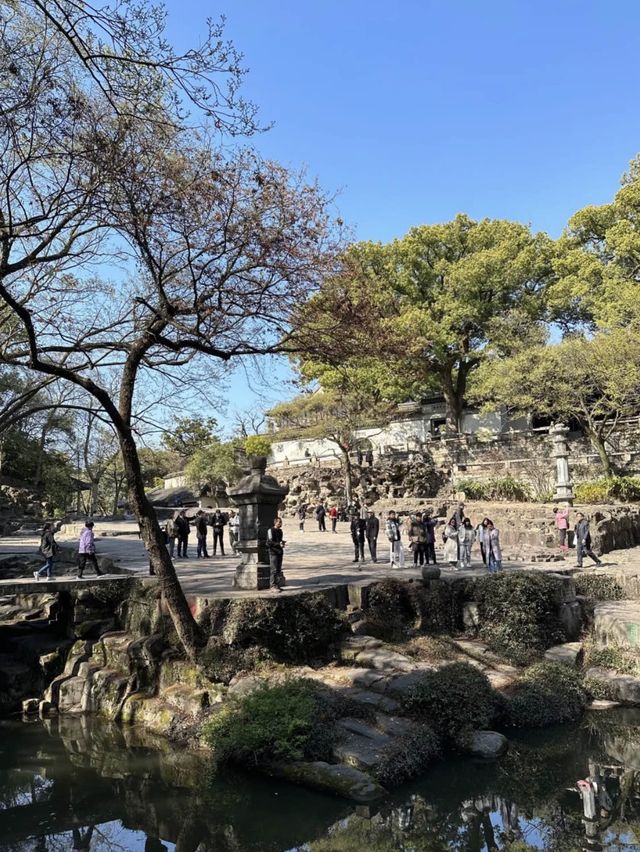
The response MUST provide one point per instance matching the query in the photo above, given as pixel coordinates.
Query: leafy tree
(189, 434)
(257, 445)
(433, 305)
(212, 463)
(592, 381)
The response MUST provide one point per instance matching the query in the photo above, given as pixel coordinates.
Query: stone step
(374, 700)
(362, 729)
(617, 622)
(363, 753)
(353, 645)
(616, 687)
(383, 660)
(568, 653)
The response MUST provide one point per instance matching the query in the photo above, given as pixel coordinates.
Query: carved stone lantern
(564, 487)
(257, 497)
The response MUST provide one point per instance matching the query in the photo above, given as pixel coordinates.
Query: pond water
(85, 784)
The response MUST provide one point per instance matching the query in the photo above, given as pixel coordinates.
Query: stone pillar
(257, 497)
(564, 487)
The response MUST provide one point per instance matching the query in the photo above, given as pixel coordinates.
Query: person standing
(171, 532)
(562, 525)
(369, 458)
(359, 457)
(452, 542)
(481, 536)
(430, 525)
(320, 516)
(200, 523)
(468, 536)
(87, 550)
(275, 546)
(48, 548)
(357, 537)
(392, 529)
(494, 551)
(182, 533)
(218, 522)
(333, 514)
(459, 515)
(302, 515)
(583, 541)
(417, 538)
(234, 530)
(371, 532)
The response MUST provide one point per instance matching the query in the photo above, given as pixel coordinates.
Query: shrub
(455, 700)
(498, 488)
(408, 757)
(598, 588)
(221, 662)
(608, 488)
(518, 614)
(257, 445)
(611, 657)
(391, 608)
(291, 721)
(291, 629)
(547, 694)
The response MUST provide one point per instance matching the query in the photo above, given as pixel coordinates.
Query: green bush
(518, 614)
(611, 657)
(294, 630)
(291, 721)
(455, 700)
(393, 608)
(499, 488)
(598, 587)
(547, 694)
(257, 445)
(408, 757)
(221, 662)
(608, 488)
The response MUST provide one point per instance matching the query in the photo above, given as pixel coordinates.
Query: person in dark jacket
(418, 539)
(320, 514)
(369, 458)
(583, 541)
(372, 530)
(275, 546)
(218, 521)
(430, 525)
(48, 549)
(182, 533)
(200, 523)
(357, 528)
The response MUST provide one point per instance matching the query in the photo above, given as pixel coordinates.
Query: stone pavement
(313, 561)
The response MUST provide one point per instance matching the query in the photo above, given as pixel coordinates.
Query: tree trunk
(348, 473)
(454, 400)
(599, 445)
(188, 631)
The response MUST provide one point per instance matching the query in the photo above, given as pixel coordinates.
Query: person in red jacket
(333, 514)
(562, 524)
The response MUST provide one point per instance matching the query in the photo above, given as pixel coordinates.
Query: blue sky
(416, 110)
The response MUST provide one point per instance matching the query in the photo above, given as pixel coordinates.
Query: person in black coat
(357, 537)
(371, 531)
(200, 523)
(275, 546)
(218, 521)
(182, 531)
(583, 541)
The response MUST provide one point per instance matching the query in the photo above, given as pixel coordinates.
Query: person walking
(494, 551)
(481, 538)
(417, 539)
(234, 530)
(452, 542)
(333, 514)
(467, 537)
(48, 548)
(200, 523)
(320, 516)
(218, 522)
(357, 528)
(430, 525)
(392, 529)
(583, 541)
(302, 515)
(182, 533)
(170, 532)
(87, 550)
(562, 525)
(275, 546)
(371, 532)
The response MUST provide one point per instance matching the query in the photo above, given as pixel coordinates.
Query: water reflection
(81, 784)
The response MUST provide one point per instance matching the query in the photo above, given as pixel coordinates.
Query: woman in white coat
(451, 543)
(494, 551)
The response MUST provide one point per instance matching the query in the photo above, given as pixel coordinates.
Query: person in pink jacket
(87, 550)
(562, 523)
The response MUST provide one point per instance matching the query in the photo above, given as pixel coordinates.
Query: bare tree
(100, 168)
